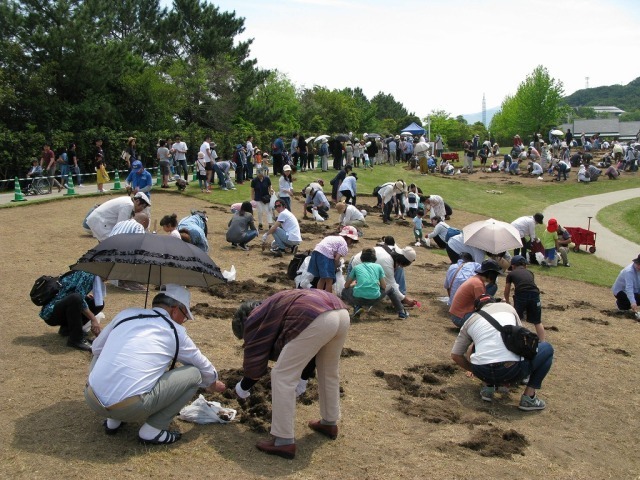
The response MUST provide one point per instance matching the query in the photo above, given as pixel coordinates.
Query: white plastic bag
(316, 215)
(203, 412)
(338, 286)
(230, 275)
(272, 202)
(304, 278)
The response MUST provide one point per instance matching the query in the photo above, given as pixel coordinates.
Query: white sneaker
(417, 244)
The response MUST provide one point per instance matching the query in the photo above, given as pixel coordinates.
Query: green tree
(536, 106)
(331, 111)
(274, 105)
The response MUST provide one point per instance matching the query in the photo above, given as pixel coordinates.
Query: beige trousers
(324, 339)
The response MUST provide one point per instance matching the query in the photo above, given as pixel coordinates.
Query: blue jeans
(248, 236)
(529, 303)
(508, 372)
(181, 166)
(280, 237)
(64, 173)
(398, 274)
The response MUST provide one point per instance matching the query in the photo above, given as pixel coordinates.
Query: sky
(442, 54)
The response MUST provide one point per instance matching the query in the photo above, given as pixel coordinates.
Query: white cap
(179, 294)
(286, 168)
(142, 196)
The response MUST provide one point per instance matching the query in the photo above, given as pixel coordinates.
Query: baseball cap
(179, 294)
(286, 168)
(137, 164)
(489, 266)
(350, 232)
(142, 196)
(552, 226)
(518, 260)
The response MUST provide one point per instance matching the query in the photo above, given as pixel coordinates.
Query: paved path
(575, 213)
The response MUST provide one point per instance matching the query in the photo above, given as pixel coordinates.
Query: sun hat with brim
(637, 260)
(489, 266)
(130, 139)
(142, 196)
(350, 232)
(407, 252)
(552, 226)
(179, 294)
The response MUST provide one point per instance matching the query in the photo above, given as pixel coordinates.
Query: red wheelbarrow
(581, 236)
(453, 156)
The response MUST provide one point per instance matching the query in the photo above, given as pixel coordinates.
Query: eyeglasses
(182, 311)
(277, 205)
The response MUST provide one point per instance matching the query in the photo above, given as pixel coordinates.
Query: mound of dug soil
(207, 311)
(495, 442)
(243, 290)
(315, 228)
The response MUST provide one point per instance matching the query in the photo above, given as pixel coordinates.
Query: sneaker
(243, 247)
(567, 264)
(486, 393)
(529, 404)
(294, 249)
(357, 310)
(417, 244)
(260, 226)
(403, 315)
(234, 245)
(274, 249)
(525, 380)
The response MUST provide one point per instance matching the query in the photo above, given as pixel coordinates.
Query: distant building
(612, 111)
(606, 127)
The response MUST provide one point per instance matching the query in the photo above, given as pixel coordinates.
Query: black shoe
(111, 431)
(170, 437)
(80, 345)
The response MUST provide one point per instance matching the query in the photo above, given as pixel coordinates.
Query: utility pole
(586, 82)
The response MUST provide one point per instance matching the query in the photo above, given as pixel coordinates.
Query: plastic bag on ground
(203, 412)
(316, 216)
(230, 275)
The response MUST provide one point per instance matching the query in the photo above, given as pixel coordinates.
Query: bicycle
(38, 186)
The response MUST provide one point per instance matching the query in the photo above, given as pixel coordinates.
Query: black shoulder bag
(517, 339)
(175, 332)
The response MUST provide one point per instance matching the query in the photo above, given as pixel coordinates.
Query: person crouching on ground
(484, 282)
(132, 376)
(242, 228)
(626, 288)
(492, 362)
(369, 283)
(292, 327)
(74, 306)
(326, 256)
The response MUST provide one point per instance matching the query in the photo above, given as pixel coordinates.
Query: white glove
(637, 315)
(301, 387)
(242, 393)
(264, 238)
(427, 242)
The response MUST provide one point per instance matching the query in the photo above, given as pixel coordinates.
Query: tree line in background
(77, 70)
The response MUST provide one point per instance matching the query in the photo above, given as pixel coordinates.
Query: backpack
(295, 263)
(45, 288)
(451, 232)
(517, 339)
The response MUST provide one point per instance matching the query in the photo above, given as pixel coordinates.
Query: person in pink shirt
(325, 258)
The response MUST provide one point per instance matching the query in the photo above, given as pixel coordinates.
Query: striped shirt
(332, 245)
(277, 321)
(126, 226)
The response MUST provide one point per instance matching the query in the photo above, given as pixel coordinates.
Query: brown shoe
(284, 451)
(330, 431)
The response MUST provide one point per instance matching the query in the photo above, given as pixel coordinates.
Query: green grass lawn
(623, 219)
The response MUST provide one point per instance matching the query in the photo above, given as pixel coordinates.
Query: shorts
(164, 168)
(321, 266)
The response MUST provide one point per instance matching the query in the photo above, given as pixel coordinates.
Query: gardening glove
(301, 387)
(264, 238)
(243, 394)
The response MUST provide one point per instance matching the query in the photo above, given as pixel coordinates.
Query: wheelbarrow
(581, 236)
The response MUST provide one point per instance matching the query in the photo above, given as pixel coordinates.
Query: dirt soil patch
(419, 414)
